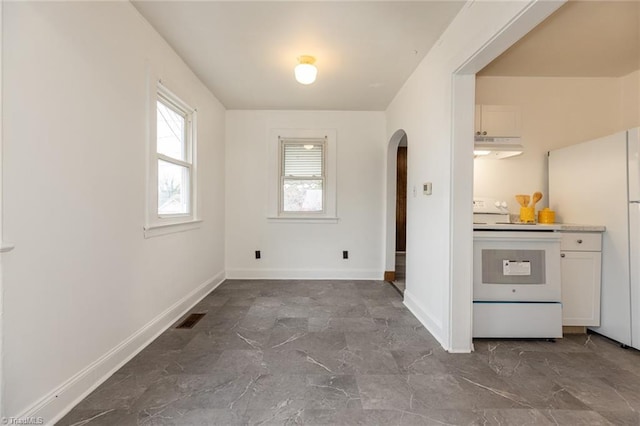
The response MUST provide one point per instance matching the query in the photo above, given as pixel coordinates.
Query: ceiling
(245, 52)
(581, 39)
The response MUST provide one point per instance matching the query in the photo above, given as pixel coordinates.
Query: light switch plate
(426, 188)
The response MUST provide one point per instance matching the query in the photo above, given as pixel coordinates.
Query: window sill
(151, 231)
(299, 219)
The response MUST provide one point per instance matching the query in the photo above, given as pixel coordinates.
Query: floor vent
(190, 321)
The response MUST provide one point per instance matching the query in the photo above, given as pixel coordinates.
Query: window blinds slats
(303, 160)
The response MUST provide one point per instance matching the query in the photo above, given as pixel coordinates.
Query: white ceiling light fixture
(305, 71)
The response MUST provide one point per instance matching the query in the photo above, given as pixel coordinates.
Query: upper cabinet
(497, 120)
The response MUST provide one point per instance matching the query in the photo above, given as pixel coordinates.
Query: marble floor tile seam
(556, 364)
(419, 412)
(279, 368)
(427, 391)
(343, 321)
(255, 392)
(369, 417)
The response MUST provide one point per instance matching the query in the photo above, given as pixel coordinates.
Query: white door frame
(390, 241)
(461, 231)
(1, 243)
(4, 246)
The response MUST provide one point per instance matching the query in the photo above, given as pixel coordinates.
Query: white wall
(306, 250)
(440, 239)
(83, 285)
(556, 112)
(630, 94)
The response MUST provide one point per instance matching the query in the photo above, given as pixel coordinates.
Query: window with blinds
(302, 176)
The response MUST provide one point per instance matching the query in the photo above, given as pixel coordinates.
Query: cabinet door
(478, 120)
(500, 120)
(580, 273)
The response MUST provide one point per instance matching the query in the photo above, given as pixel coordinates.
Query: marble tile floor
(399, 281)
(350, 353)
(400, 285)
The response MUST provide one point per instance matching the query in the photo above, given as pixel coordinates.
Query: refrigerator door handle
(633, 167)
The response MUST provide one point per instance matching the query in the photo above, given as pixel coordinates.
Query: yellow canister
(546, 215)
(527, 214)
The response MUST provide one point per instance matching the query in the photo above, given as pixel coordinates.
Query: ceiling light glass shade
(305, 71)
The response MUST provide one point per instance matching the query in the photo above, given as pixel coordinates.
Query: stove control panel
(489, 205)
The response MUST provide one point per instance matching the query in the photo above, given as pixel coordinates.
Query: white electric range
(516, 275)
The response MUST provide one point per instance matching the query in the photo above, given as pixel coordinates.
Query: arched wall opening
(399, 138)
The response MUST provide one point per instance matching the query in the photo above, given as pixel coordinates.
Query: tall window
(174, 155)
(302, 176)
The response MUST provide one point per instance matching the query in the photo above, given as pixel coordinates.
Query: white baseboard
(430, 323)
(305, 274)
(53, 406)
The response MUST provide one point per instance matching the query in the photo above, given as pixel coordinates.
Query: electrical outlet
(345, 254)
(257, 254)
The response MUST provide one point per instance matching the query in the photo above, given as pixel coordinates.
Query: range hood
(496, 148)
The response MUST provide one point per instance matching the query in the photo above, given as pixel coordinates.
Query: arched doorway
(396, 234)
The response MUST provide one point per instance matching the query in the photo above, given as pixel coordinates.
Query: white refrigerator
(598, 183)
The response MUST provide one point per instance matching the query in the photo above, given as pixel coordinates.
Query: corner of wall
(429, 322)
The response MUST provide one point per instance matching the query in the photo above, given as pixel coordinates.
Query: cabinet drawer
(581, 241)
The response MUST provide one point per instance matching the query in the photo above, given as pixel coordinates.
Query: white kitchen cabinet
(580, 268)
(497, 120)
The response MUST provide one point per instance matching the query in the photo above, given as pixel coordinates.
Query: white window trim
(274, 213)
(173, 102)
(157, 224)
(287, 141)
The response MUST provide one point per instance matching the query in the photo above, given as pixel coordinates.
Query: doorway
(460, 298)
(396, 208)
(401, 215)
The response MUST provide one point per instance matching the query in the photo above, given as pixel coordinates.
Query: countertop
(573, 227)
(552, 227)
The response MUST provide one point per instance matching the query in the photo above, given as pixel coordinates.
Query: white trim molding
(429, 322)
(5, 247)
(306, 274)
(57, 403)
(151, 231)
(330, 183)
(155, 223)
(285, 219)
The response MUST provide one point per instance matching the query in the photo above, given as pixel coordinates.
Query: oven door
(516, 266)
